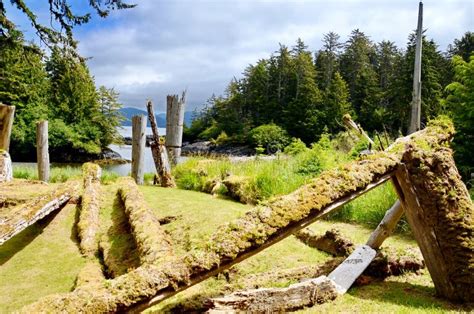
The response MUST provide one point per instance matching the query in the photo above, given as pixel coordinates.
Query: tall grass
(59, 174)
(262, 178)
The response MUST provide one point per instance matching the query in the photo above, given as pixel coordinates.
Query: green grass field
(45, 258)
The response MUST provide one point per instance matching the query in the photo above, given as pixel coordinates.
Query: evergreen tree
(463, 47)
(336, 103)
(327, 59)
(357, 69)
(24, 84)
(433, 66)
(460, 101)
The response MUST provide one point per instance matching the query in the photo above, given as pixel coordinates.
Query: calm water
(125, 152)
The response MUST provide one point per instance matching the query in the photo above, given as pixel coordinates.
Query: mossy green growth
(153, 243)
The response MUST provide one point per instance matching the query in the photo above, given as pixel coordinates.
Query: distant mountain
(129, 112)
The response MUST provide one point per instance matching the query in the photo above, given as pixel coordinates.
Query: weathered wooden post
(42, 153)
(6, 122)
(415, 118)
(160, 155)
(138, 148)
(174, 125)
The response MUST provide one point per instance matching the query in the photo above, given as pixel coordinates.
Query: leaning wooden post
(138, 148)
(42, 153)
(6, 122)
(415, 118)
(160, 155)
(174, 125)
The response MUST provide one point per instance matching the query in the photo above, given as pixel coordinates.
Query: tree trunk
(160, 155)
(441, 215)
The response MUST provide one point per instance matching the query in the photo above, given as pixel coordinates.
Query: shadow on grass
(406, 294)
(25, 237)
(118, 246)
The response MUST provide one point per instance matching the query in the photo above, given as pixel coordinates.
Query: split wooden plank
(352, 267)
(174, 125)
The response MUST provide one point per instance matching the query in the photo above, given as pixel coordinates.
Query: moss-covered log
(30, 212)
(441, 215)
(260, 228)
(152, 241)
(88, 224)
(331, 242)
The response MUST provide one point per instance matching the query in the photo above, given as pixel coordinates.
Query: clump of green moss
(153, 243)
(88, 223)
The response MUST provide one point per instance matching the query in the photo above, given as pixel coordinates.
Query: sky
(162, 47)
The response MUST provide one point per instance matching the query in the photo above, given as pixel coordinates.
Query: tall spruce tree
(358, 70)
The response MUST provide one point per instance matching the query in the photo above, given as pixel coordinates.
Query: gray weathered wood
(6, 122)
(138, 148)
(160, 154)
(42, 153)
(269, 300)
(174, 125)
(351, 125)
(415, 118)
(386, 226)
(352, 267)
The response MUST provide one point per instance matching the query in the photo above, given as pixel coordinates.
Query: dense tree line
(60, 89)
(306, 94)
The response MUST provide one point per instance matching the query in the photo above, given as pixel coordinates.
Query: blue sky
(162, 47)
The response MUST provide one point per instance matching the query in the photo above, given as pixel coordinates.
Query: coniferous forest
(305, 94)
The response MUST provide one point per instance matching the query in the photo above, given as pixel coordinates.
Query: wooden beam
(386, 226)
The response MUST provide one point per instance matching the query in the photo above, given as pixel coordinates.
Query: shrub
(270, 136)
(296, 147)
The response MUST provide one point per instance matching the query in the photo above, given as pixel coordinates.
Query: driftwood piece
(138, 148)
(266, 300)
(42, 153)
(357, 129)
(88, 224)
(441, 215)
(258, 229)
(27, 214)
(159, 152)
(153, 243)
(331, 242)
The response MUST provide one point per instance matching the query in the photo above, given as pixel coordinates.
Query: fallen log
(24, 215)
(88, 223)
(331, 242)
(153, 243)
(298, 295)
(258, 229)
(267, 300)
